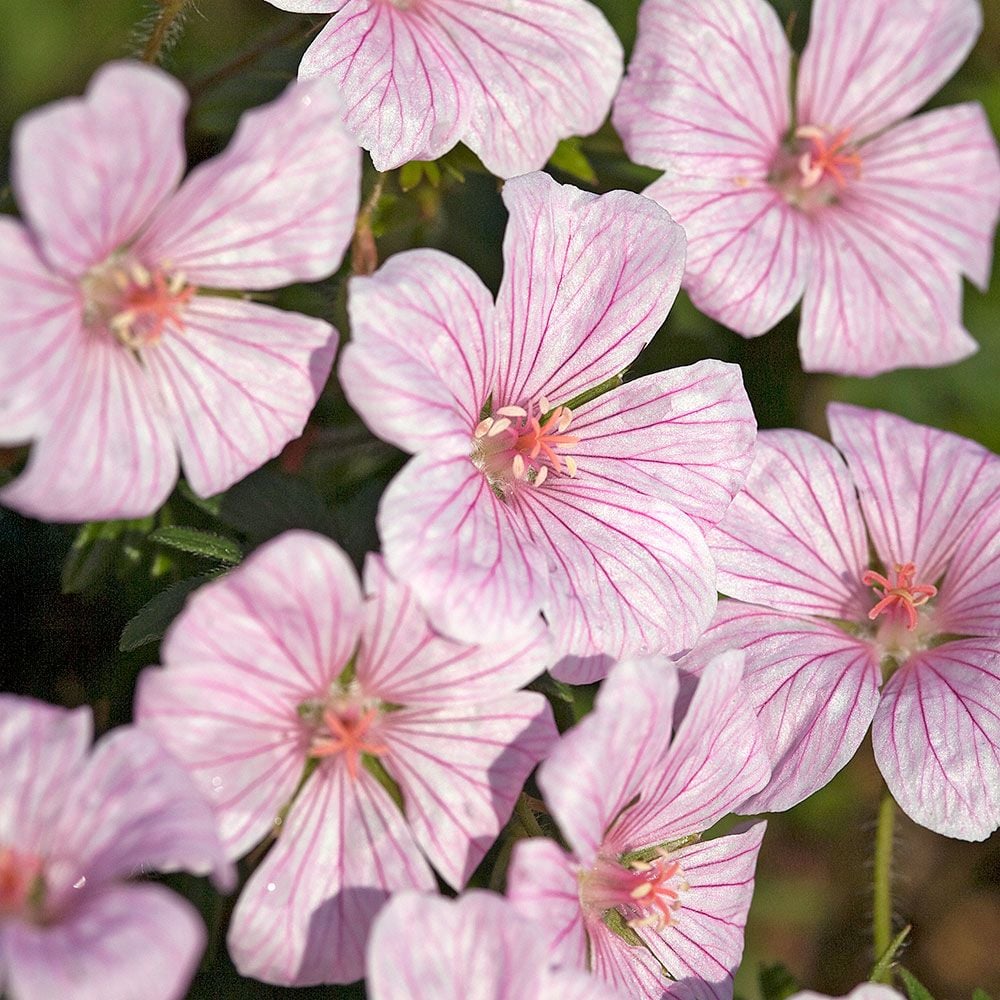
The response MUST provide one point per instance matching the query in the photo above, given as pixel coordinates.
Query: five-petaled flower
(822, 630)
(509, 78)
(350, 729)
(873, 218)
(532, 488)
(115, 352)
(638, 898)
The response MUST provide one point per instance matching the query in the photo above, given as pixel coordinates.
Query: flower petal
(685, 435)
(587, 281)
(934, 181)
(633, 971)
(305, 913)
(404, 661)
(308, 6)
(531, 74)
(543, 884)
(277, 206)
(794, 538)
(632, 575)
(400, 79)
(238, 384)
(90, 171)
(454, 544)
(869, 63)
(716, 760)
(460, 770)
(43, 336)
(704, 946)
(920, 488)
(967, 603)
(114, 944)
(107, 452)
(814, 689)
(612, 754)
(420, 364)
(937, 738)
(681, 107)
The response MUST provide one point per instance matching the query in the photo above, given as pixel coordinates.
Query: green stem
(882, 900)
(526, 817)
(170, 12)
(882, 972)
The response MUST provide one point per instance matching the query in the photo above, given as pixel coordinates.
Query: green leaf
(776, 982)
(411, 174)
(570, 159)
(199, 543)
(95, 550)
(155, 615)
(915, 990)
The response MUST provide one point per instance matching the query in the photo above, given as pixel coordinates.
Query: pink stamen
(647, 894)
(826, 158)
(902, 593)
(348, 735)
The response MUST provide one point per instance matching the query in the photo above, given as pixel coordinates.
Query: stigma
(645, 893)
(815, 167)
(899, 595)
(345, 727)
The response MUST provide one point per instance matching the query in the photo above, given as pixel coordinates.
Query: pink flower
(110, 358)
(822, 630)
(638, 894)
(281, 675)
(872, 217)
(482, 947)
(527, 492)
(73, 827)
(509, 79)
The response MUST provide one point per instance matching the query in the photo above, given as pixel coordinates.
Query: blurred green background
(812, 907)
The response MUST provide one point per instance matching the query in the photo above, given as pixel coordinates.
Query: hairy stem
(166, 20)
(882, 885)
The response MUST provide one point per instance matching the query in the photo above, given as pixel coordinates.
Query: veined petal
(632, 575)
(703, 947)
(716, 760)
(543, 884)
(814, 689)
(457, 547)
(633, 971)
(872, 304)
(611, 755)
(238, 384)
(937, 738)
(90, 171)
(530, 73)
(685, 435)
(305, 913)
(107, 452)
(460, 770)
(920, 488)
(707, 88)
(420, 364)
(277, 206)
(869, 63)
(968, 603)
(285, 622)
(934, 182)
(308, 6)
(404, 661)
(43, 337)
(794, 538)
(399, 76)
(587, 281)
(117, 943)
(41, 748)
(749, 253)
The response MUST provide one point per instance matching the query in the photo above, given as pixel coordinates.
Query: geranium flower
(874, 218)
(281, 684)
(74, 827)
(823, 630)
(482, 947)
(527, 492)
(111, 359)
(635, 898)
(509, 78)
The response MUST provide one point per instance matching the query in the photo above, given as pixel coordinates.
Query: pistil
(902, 593)
(645, 893)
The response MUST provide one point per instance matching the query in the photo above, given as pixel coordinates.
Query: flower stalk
(882, 886)
(164, 30)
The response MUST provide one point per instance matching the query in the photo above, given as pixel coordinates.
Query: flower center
(346, 725)
(900, 596)
(524, 444)
(134, 303)
(645, 893)
(815, 168)
(21, 883)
